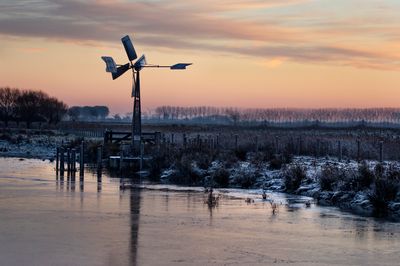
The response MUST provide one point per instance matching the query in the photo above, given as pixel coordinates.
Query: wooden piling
(82, 159)
(57, 158)
(68, 160)
(358, 150)
(121, 160)
(62, 161)
(340, 151)
(381, 151)
(73, 160)
(99, 158)
(172, 138)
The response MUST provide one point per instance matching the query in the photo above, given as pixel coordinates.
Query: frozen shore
(342, 194)
(247, 173)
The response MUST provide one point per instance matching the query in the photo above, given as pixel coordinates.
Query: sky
(245, 53)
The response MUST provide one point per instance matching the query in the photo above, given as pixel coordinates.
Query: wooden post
(62, 161)
(184, 140)
(340, 150)
(236, 141)
(317, 152)
(358, 150)
(172, 138)
(68, 160)
(256, 143)
(99, 158)
(198, 140)
(121, 160)
(82, 160)
(73, 160)
(381, 151)
(276, 145)
(57, 158)
(218, 139)
(158, 140)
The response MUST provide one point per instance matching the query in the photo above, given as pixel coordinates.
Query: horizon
(303, 54)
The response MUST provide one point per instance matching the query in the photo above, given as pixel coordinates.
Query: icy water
(48, 222)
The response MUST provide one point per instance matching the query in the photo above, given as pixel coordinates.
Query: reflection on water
(63, 220)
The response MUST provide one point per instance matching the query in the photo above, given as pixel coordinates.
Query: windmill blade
(140, 63)
(130, 50)
(180, 66)
(120, 70)
(110, 64)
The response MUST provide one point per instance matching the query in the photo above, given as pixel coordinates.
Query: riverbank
(368, 188)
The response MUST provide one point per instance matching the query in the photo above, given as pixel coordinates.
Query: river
(49, 221)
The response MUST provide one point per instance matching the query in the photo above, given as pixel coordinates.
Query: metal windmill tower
(118, 70)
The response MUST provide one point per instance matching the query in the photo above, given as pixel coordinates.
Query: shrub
(293, 176)
(275, 163)
(365, 177)
(158, 163)
(245, 178)
(221, 177)
(328, 177)
(203, 160)
(379, 170)
(185, 173)
(241, 153)
(384, 191)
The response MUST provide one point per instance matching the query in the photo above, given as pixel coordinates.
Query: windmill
(118, 70)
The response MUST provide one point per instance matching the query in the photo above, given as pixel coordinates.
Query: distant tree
(102, 112)
(53, 110)
(28, 106)
(8, 101)
(73, 112)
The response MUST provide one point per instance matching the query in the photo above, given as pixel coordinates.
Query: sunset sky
(245, 53)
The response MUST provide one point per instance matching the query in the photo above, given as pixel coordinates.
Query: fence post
(276, 145)
(236, 141)
(184, 140)
(256, 143)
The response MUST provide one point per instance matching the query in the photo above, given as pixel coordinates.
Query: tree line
(29, 106)
(88, 113)
(278, 114)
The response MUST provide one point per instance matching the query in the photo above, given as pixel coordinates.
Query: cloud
(213, 26)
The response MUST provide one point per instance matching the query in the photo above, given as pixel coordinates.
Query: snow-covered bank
(30, 146)
(360, 188)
